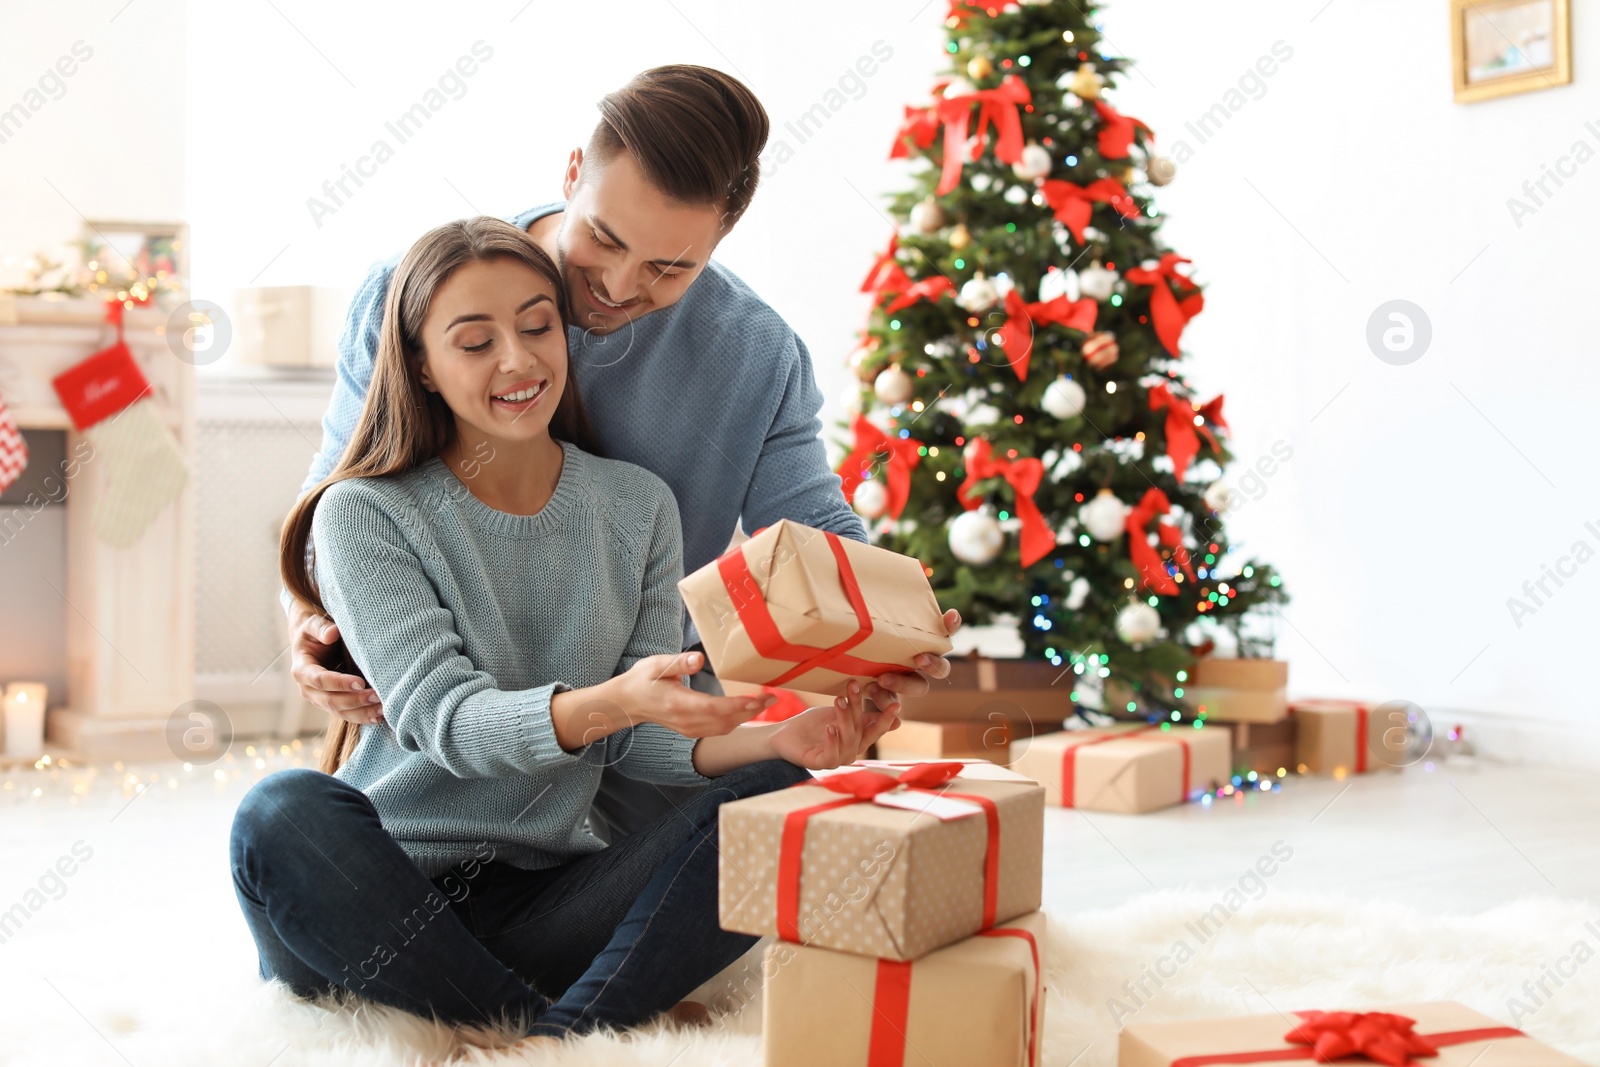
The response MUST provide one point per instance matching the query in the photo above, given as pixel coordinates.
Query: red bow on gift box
(871, 443)
(1116, 131)
(1024, 476)
(1378, 1036)
(1146, 560)
(1000, 106)
(1169, 313)
(1182, 431)
(1073, 204)
(1016, 337)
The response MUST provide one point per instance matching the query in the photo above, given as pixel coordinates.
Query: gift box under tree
(1341, 737)
(1239, 690)
(1126, 768)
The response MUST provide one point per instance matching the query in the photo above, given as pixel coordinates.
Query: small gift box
(1341, 737)
(809, 610)
(977, 1003)
(881, 862)
(1129, 769)
(1439, 1034)
(1240, 690)
(990, 740)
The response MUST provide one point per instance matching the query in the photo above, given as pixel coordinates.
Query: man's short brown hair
(695, 133)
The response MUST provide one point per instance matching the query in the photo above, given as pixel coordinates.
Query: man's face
(624, 248)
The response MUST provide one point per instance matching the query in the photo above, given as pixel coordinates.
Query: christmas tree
(1025, 426)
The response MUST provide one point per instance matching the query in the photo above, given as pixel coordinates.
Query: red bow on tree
(864, 785)
(1000, 106)
(1169, 313)
(927, 289)
(1377, 1035)
(871, 445)
(1182, 430)
(1073, 204)
(1146, 560)
(1016, 336)
(920, 127)
(1116, 131)
(886, 272)
(1024, 477)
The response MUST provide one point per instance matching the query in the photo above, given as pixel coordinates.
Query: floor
(132, 860)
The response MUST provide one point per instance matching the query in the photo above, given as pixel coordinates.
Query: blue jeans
(609, 939)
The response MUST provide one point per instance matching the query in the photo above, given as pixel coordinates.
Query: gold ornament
(960, 237)
(1086, 83)
(979, 68)
(1160, 170)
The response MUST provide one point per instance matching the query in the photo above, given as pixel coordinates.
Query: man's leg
(628, 932)
(332, 900)
(624, 805)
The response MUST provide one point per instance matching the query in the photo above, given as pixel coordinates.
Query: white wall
(105, 142)
(1418, 497)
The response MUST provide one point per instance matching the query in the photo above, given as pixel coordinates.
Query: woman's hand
(824, 737)
(652, 690)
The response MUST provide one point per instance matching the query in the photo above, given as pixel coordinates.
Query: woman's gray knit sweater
(466, 620)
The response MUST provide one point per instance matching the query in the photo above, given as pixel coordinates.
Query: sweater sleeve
(649, 752)
(792, 479)
(435, 700)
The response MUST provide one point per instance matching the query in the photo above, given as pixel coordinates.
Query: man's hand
(311, 646)
(887, 689)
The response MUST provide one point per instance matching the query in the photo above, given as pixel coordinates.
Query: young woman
(512, 598)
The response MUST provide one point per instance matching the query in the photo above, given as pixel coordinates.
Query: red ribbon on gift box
(1376, 1036)
(860, 787)
(770, 643)
(891, 1003)
(1069, 760)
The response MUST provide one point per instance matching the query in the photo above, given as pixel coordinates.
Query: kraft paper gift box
(976, 1003)
(1022, 692)
(1341, 737)
(1263, 747)
(1461, 1036)
(1128, 769)
(893, 875)
(1240, 690)
(808, 610)
(948, 740)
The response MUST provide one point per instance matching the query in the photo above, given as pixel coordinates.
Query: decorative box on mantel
(130, 623)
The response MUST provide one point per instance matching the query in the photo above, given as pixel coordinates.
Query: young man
(683, 369)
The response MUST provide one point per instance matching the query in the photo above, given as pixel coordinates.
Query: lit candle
(24, 704)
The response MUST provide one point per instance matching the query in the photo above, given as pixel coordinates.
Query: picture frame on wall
(1500, 47)
(147, 258)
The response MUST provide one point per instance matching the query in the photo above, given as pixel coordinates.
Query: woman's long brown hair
(402, 423)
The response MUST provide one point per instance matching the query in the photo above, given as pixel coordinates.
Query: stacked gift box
(1128, 768)
(1341, 737)
(904, 899)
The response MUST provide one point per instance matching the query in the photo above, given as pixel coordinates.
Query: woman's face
(495, 350)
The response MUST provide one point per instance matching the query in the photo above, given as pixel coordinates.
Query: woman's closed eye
(485, 346)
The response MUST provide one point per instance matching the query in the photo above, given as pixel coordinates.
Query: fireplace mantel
(130, 618)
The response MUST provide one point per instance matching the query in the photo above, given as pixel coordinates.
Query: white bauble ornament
(1104, 516)
(959, 87)
(1095, 282)
(1160, 170)
(1034, 164)
(927, 216)
(1138, 623)
(978, 295)
(893, 386)
(1064, 398)
(1077, 593)
(1219, 496)
(1015, 195)
(975, 537)
(983, 415)
(1057, 282)
(871, 500)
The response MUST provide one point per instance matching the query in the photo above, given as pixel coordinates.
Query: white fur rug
(1285, 951)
